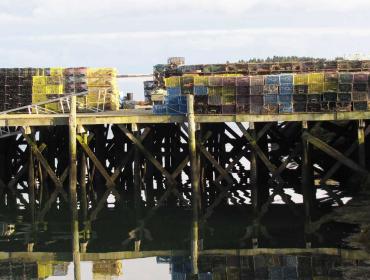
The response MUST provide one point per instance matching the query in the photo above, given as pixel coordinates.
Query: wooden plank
(142, 117)
(334, 153)
(361, 143)
(73, 189)
(124, 255)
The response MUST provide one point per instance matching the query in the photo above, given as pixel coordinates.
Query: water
(228, 252)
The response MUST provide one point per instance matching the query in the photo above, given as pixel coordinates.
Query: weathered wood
(73, 189)
(137, 191)
(147, 154)
(308, 188)
(334, 153)
(31, 187)
(354, 255)
(142, 117)
(45, 165)
(361, 143)
(96, 161)
(338, 164)
(84, 199)
(194, 184)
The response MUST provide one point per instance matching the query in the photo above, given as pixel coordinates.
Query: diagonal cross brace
(321, 145)
(37, 153)
(170, 179)
(113, 178)
(338, 164)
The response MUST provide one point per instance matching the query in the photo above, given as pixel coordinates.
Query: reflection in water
(107, 269)
(258, 267)
(32, 270)
(272, 267)
(170, 235)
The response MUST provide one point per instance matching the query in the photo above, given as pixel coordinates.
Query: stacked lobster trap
(318, 92)
(96, 88)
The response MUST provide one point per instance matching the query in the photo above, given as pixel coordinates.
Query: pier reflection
(282, 251)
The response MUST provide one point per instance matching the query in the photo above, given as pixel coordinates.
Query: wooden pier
(75, 162)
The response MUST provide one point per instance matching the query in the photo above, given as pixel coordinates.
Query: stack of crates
(46, 85)
(360, 91)
(315, 89)
(175, 102)
(75, 81)
(215, 95)
(330, 92)
(270, 94)
(286, 90)
(228, 99)
(256, 94)
(15, 87)
(243, 95)
(102, 89)
(345, 88)
(201, 84)
(300, 92)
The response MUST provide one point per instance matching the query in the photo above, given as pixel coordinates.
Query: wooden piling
(361, 143)
(83, 197)
(31, 193)
(308, 187)
(253, 174)
(194, 183)
(137, 191)
(73, 188)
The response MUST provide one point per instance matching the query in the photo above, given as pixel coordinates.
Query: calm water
(302, 266)
(228, 242)
(228, 251)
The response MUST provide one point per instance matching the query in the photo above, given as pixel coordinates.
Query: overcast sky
(133, 35)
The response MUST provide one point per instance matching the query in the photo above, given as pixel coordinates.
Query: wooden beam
(308, 189)
(96, 161)
(361, 143)
(338, 164)
(73, 189)
(334, 153)
(195, 176)
(37, 153)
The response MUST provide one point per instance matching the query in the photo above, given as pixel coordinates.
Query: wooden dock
(200, 162)
(147, 117)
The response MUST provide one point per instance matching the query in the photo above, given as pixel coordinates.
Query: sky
(134, 35)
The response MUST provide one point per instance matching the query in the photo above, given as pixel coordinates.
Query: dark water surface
(285, 249)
